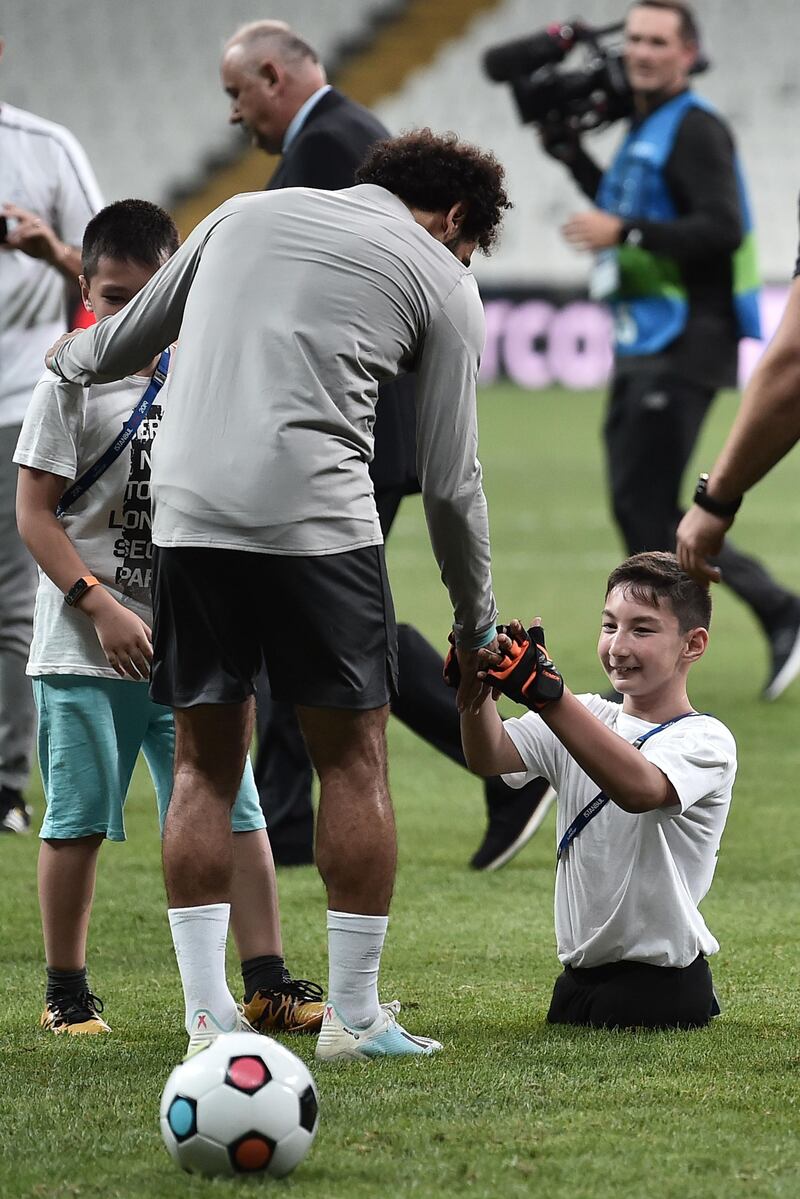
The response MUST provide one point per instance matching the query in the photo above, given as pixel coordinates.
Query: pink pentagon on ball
(247, 1074)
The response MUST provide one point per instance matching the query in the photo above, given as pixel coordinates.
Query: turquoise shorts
(90, 733)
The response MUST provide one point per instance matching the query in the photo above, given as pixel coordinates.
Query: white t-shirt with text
(66, 429)
(629, 885)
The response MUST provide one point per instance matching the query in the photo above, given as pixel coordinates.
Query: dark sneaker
(784, 645)
(295, 1006)
(77, 1015)
(15, 814)
(514, 816)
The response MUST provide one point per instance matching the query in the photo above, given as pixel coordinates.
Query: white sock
(355, 944)
(199, 936)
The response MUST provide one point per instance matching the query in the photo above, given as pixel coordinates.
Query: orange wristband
(79, 588)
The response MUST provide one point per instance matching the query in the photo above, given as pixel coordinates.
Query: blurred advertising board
(538, 338)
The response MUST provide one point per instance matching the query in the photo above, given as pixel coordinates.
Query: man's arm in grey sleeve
(121, 344)
(447, 461)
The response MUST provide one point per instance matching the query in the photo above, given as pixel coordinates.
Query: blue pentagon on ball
(182, 1117)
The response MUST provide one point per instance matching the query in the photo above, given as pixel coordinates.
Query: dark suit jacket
(326, 154)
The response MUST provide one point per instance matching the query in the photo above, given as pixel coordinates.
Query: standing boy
(92, 648)
(644, 790)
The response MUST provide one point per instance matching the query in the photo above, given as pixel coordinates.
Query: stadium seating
(753, 81)
(138, 83)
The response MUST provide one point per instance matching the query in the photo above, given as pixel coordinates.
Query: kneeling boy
(644, 790)
(90, 659)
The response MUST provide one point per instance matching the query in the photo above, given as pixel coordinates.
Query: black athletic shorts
(324, 627)
(635, 995)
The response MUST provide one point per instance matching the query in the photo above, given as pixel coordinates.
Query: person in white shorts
(89, 531)
(48, 192)
(644, 789)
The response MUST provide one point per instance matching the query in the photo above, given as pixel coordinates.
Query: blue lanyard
(82, 485)
(601, 799)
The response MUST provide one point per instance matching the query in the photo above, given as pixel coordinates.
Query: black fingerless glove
(526, 673)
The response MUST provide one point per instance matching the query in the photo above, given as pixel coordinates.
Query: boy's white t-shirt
(629, 886)
(66, 429)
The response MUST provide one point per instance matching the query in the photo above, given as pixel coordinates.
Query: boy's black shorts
(324, 627)
(635, 995)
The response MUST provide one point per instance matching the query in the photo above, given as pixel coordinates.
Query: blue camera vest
(649, 300)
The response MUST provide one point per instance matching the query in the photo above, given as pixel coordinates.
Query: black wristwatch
(715, 507)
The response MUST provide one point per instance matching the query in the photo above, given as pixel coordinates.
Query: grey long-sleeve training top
(290, 307)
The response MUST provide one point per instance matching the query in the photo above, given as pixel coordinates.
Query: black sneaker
(514, 816)
(77, 1015)
(784, 645)
(15, 814)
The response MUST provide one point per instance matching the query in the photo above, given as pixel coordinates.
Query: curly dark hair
(654, 576)
(433, 173)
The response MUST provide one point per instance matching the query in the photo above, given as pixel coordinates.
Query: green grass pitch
(511, 1107)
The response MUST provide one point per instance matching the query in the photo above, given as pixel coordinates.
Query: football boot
(204, 1028)
(294, 1006)
(385, 1037)
(77, 1015)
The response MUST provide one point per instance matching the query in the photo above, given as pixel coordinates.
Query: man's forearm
(93, 356)
(67, 261)
(692, 238)
(459, 534)
(767, 424)
(701, 176)
(447, 461)
(586, 173)
(120, 344)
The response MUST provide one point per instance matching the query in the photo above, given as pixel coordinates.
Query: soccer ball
(244, 1105)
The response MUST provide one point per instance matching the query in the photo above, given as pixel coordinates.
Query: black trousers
(635, 995)
(653, 422)
(423, 702)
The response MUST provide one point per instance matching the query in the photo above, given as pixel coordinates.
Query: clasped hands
(515, 664)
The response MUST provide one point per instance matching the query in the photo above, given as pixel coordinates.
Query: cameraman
(676, 261)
